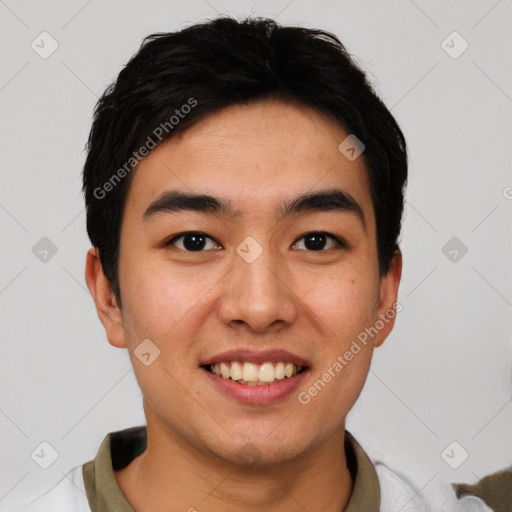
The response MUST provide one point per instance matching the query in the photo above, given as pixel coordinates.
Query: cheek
(161, 307)
(344, 302)
(159, 301)
(345, 305)
(336, 385)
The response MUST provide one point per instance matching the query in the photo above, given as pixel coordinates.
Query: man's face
(199, 297)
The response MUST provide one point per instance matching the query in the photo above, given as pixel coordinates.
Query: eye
(316, 241)
(196, 241)
(193, 241)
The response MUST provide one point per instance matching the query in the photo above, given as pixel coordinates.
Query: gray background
(443, 375)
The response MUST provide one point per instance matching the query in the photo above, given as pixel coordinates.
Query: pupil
(315, 241)
(194, 242)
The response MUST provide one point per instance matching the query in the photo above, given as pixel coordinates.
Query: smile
(251, 374)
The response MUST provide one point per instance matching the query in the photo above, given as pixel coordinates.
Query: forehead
(257, 155)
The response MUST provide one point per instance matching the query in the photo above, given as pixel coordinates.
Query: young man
(244, 189)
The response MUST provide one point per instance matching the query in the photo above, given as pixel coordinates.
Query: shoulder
(67, 494)
(397, 491)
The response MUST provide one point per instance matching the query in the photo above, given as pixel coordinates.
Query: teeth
(250, 372)
(235, 371)
(224, 370)
(279, 371)
(267, 372)
(253, 374)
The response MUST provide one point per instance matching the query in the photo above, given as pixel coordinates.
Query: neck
(171, 472)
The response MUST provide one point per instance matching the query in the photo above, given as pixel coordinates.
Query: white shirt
(396, 493)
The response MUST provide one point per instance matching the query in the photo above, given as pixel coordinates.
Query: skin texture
(205, 449)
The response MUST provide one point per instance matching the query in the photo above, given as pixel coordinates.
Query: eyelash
(340, 242)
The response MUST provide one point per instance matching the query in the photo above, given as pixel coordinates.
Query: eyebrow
(322, 201)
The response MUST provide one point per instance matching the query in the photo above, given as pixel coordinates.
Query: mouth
(255, 374)
(256, 377)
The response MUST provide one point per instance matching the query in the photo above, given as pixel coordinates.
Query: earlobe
(108, 311)
(387, 309)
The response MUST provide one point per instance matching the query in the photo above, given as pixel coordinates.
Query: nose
(259, 294)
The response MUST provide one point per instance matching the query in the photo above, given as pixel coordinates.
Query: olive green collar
(118, 449)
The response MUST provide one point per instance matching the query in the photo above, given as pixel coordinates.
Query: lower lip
(266, 394)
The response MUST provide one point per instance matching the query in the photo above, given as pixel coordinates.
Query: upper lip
(255, 356)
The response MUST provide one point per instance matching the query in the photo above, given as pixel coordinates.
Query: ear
(388, 307)
(109, 313)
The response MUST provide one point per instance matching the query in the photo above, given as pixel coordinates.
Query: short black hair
(177, 78)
